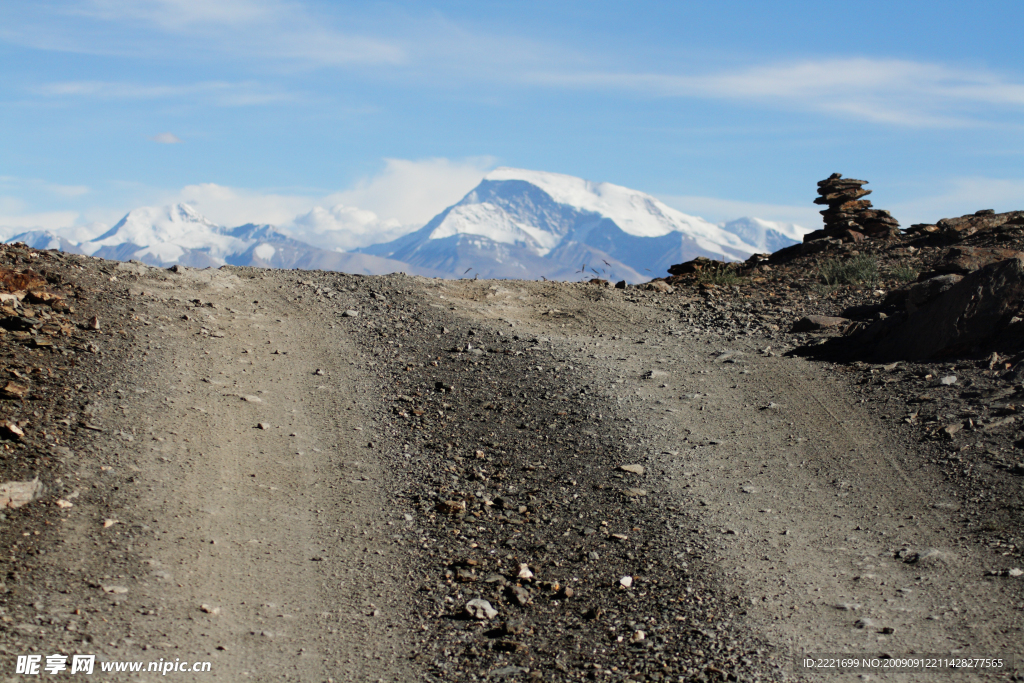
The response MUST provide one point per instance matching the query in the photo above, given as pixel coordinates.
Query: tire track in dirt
(263, 537)
(812, 509)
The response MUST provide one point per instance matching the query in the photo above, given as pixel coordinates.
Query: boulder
(697, 265)
(969, 259)
(659, 286)
(920, 293)
(977, 309)
(964, 226)
(818, 322)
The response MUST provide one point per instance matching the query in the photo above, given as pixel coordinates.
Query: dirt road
(306, 476)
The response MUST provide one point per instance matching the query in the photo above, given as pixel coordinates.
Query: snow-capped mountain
(514, 224)
(525, 224)
(767, 236)
(179, 234)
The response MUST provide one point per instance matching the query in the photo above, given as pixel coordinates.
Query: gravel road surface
(307, 476)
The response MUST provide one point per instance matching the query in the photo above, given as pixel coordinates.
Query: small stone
(948, 380)
(263, 425)
(107, 523)
(210, 609)
(632, 469)
(519, 595)
(12, 390)
(319, 371)
(1015, 572)
(252, 399)
(94, 323)
(451, 507)
(14, 430)
(350, 314)
(626, 582)
(480, 609)
(524, 572)
(818, 322)
(512, 628)
(14, 494)
(848, 606)
(865, 623)
(637, 636)
(117, 590)
(64, 504)
(930, 556)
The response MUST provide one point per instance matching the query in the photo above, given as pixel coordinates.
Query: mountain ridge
(515, 223)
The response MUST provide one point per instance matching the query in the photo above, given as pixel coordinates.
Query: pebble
(948, 380)
(350, 314)
(626, 582)
(519, 595)
(480, 609)
(632, 469)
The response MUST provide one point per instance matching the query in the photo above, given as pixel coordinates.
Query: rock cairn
(848, 216)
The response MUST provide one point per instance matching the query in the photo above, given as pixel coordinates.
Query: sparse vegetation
(853, 271)
(903, 274)
(720, 275)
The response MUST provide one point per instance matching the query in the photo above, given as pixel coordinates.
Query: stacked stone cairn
(848, 217)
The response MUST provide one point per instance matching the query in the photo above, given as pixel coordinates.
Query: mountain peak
(517, 216)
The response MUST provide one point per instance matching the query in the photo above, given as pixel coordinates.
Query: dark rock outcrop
(947, 317)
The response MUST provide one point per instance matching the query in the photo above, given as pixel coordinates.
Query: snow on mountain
(515, 224)
(524, 222)
(45, 239)
(767, 236)
(178, 234)
(166, 235)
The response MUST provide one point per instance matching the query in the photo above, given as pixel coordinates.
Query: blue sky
(264, 109)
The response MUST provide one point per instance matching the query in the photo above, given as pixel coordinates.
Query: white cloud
(413, 192)
(180, 14)
(13, 224)
(401, 198)
(220, 93)
(719, 210)
(888, 91)
(237, 206)
(261, 29)
(342, 228)
(166, 139)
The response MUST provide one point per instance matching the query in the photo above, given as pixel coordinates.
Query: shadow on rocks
(943, 316)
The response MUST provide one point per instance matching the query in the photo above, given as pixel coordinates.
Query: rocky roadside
(68, 336)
